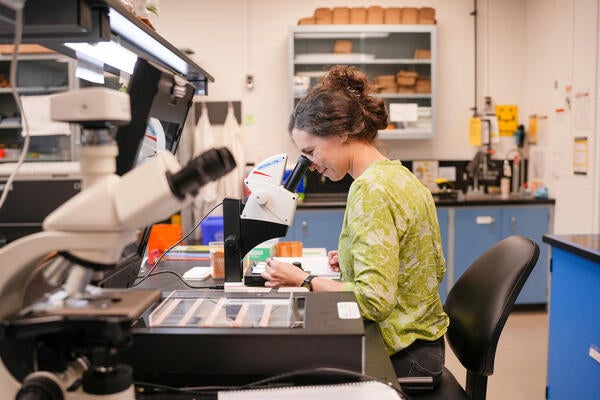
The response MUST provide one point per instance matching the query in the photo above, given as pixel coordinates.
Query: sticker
(348, 310)
(594, 352)
(484, 220)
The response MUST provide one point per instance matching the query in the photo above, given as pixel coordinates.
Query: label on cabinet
(595, 353)
(484, 220)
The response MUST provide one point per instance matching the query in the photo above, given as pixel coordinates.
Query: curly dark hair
(341, 104)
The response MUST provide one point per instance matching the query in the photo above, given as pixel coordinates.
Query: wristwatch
(307, 284)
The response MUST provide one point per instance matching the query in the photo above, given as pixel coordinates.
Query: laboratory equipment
(267, 214)
(200, 337)
(85, 324)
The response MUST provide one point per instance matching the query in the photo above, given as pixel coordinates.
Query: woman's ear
(344, 138)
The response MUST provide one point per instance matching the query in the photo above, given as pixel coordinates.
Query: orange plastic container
(162, 237)
(289, 249)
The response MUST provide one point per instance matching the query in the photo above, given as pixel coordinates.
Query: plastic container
(288, 249)
(212, 229)
(217, 259)
(162, 237)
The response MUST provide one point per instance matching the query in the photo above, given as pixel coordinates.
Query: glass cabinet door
(38, 76)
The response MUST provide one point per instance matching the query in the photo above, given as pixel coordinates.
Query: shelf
(362, 61)
(10, 125)
(392, 134)
(380, 51)
(356, 31)
(395, 96)
(36, 89)
(404, 95)
(35, 57)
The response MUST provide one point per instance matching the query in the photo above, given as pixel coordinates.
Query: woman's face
(328, 154)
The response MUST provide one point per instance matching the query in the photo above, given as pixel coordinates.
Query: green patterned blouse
(390, 254)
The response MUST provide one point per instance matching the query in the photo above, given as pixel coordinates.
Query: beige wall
(524, 47)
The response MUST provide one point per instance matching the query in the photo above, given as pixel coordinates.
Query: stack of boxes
(370, 15)
(403, 82)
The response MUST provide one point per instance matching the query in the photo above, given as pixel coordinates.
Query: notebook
(348, 391)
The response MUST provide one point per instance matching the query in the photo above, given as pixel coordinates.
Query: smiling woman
(389, 252)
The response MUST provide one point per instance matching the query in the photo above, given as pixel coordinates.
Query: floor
(521, 359)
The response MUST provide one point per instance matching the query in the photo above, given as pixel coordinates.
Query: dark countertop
(338, 200)
(583, 245)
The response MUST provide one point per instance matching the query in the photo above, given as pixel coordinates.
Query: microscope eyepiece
(208, 166)
(297, 173)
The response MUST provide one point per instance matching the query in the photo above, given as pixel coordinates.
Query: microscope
(65, 344)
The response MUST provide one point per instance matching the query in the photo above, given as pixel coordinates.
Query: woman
(389, 251)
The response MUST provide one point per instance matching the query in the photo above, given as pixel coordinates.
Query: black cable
(217, 287)
(173, 246)
(273, 379)
(474, 14)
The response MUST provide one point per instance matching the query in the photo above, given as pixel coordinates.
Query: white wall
(233, 38)
(524, 47)
(562, 51)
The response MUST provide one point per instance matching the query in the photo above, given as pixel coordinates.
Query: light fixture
(111, 53)
(129, 31)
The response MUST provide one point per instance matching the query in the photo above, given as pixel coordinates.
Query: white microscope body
(95, 226)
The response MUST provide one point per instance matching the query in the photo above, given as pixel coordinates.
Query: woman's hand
(278, 274)
(334, 262)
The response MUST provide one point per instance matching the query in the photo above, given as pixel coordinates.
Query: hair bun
(350, 79)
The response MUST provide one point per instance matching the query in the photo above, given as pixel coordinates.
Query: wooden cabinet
(399, 59)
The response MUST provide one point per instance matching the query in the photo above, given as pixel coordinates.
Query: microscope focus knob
(231, 243)
(40, 388)
(262, 197)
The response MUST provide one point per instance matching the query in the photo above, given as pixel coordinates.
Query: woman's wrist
(304, 276)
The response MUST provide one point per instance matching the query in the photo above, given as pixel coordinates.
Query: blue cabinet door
(531, 222)
(574, 332)
(318, 228)
(476, 230)
(442, 216)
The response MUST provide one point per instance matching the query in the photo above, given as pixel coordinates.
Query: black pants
(422, 358)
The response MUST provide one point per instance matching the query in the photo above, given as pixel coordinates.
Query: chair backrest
(481, 300)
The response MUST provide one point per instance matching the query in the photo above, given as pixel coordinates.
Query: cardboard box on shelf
(422, 54)
(392, 15)
(358, 15)
(342, 46)
(410, 15)
(375, 15)
(423, 85)
(307, 21)
(340, 15)
(406, 78)
(25, 49)
(427, 12)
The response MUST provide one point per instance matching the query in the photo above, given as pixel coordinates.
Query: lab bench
(375, 360)
(574, 326)
(467, 228)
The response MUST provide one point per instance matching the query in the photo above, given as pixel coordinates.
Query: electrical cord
(270, 380)
(15, 93)
(150, 273)
(216, 287)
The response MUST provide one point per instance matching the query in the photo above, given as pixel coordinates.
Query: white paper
(314, 265)
(448, 173)
(37, 112)
(349, 391)
(403, 112)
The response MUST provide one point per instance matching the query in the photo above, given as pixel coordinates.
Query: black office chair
(478, 306)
